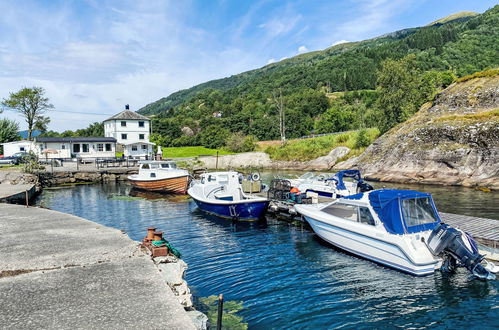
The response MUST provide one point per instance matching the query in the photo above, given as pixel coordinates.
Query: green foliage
(239, 142)
(174, 152)
(403, 88)
(362, 140)
(308, 149)
(31, 164)
(8, 131)
(230, 319)
(213, 136)
(481, 74)
(31, 103)
(93, 130)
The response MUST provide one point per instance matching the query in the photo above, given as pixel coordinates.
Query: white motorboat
(331, 185)
(396, 228)
(162, 176)
(221, 193)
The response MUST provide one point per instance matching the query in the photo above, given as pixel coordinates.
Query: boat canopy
(403, 211)
(348, 174)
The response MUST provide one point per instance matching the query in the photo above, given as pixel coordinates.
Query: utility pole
(280, 108)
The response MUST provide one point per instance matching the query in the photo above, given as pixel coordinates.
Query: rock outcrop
(454, 141)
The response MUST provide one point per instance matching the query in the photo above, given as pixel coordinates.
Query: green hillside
(426, 59)
(456, 16)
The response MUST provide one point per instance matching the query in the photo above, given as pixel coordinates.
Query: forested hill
(341, 83)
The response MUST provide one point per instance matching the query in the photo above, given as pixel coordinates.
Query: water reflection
(285, 275)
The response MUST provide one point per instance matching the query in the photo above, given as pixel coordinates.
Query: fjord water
(285, 275)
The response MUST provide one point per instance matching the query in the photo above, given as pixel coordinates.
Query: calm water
(286, 276)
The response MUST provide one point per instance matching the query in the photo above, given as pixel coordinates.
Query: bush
(239, 142)
(362, 140)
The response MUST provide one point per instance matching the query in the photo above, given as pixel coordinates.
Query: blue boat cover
(349, 174)
(387, 203)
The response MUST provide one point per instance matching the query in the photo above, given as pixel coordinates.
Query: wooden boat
(160, 176)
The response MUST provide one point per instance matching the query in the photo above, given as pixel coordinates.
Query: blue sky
(94, 56)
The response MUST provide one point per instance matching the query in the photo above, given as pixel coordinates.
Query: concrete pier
(58, 271)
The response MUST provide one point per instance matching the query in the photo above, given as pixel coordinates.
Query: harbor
(259, 263)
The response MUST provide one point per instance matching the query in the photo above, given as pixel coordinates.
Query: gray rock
(199, 319)
(173, 273)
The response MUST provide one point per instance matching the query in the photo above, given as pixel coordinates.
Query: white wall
(11, 148)
(65, 150)
(139, 153)
(113, 128)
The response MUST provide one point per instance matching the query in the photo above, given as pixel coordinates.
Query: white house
(74, 147)
(131, 131)
(11, 148)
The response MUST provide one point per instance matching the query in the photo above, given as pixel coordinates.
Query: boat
(221, 194)
(332, 185)
(396, 228)
(160, 176)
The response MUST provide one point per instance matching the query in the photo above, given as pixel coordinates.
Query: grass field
(307, 149)
(175, 152)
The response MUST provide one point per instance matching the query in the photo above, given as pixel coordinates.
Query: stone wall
(60, 177)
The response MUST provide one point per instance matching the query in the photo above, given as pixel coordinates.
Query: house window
(108, 147)
(76, 147)
(123, 124)
(63, 146)
(84, 147)
(100, 147)
(123, 136)
(134, 148)
(144, 146)
(141, 124)
(141, 136)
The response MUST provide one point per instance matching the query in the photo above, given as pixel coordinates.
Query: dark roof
(75, 139)
(127, 115)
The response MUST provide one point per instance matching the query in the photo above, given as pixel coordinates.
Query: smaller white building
(131, 132)
(11, 148)
(74, 147)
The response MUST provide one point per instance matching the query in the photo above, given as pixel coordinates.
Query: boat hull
(177, 185)
(382, 252)
(250, 210)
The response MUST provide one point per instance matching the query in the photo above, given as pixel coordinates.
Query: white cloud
(302, 49)
(280, 25)
(272, 60)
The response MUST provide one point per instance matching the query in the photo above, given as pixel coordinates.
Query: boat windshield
(418, 211)
(307, 176)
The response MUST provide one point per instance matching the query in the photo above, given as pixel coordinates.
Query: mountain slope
(453, 141)
(463, 43)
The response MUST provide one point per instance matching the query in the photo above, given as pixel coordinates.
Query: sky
(94, 56)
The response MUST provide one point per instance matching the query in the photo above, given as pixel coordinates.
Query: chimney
(127, 107)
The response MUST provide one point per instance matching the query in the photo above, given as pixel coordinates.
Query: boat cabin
(222, 186)
(399, 211)
(157, 164)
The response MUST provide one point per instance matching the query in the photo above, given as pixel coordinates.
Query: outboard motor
(363, 186)
(457, 248)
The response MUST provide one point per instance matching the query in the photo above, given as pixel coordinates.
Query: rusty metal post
(157, 236)
(220, 311)
(150, 233)
(216, 166)
(27, 198)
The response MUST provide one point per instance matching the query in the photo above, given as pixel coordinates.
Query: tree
(42, 124)
(399, 95)
(279, 103)
(31, 103)
(9, 131)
